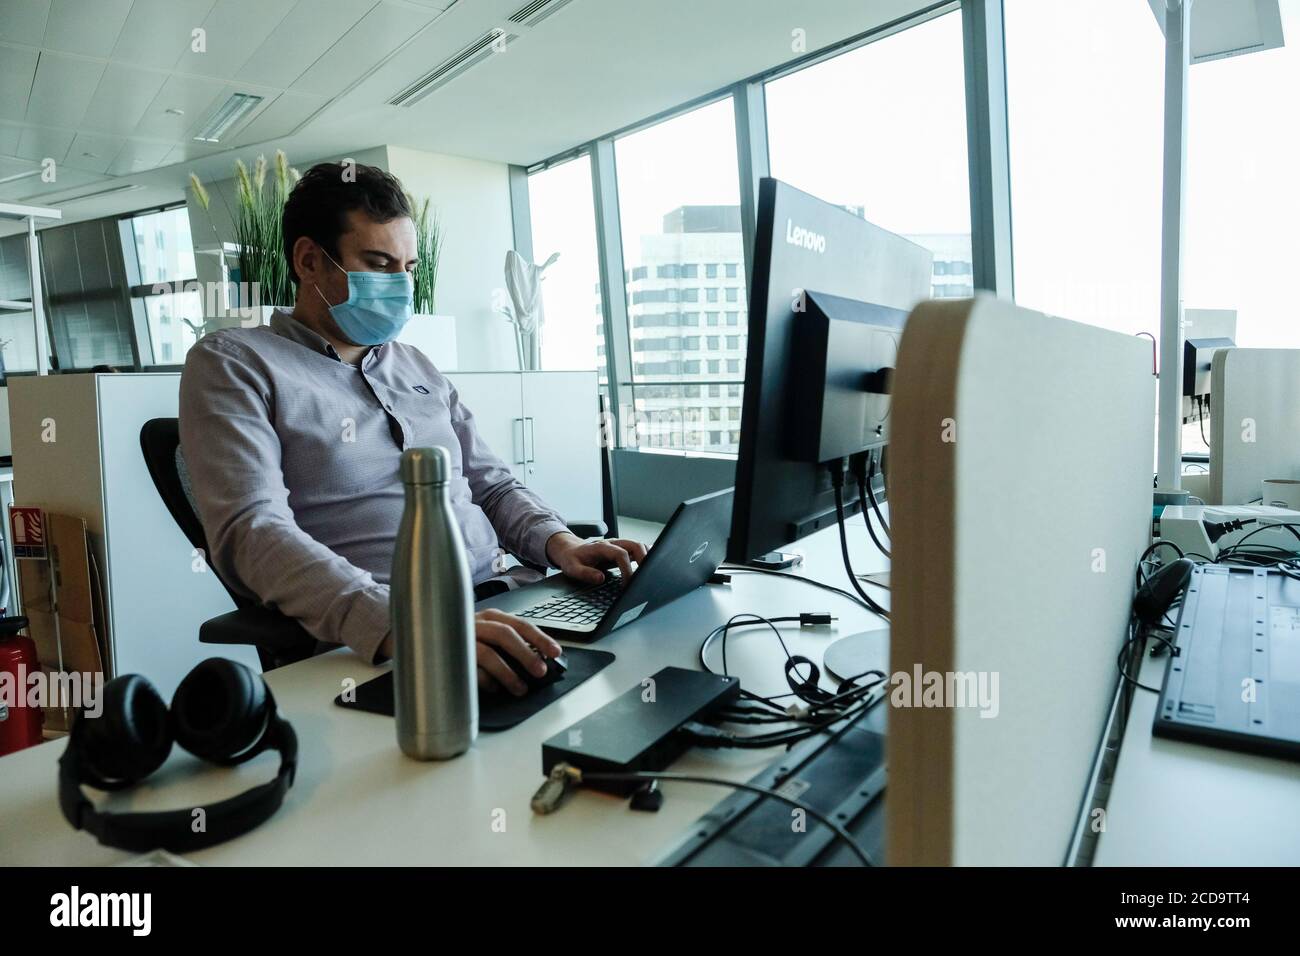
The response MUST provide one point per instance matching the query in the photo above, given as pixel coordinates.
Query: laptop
(688, 552)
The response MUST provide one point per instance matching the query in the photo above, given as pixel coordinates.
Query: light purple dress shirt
(293, 456)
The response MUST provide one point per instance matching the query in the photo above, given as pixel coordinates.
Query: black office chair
(279, 639)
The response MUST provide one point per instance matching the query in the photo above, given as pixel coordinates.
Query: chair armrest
(589, 529)
(267, 630)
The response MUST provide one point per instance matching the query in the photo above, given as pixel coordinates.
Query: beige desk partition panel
(1254, 421)
(1020, 492)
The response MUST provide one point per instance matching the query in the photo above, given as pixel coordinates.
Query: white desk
(359, 801)
(1174, 803)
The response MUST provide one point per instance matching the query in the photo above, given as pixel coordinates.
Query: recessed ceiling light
(227, 115)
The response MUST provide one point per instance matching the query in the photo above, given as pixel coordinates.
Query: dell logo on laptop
(799, 236)
(699, 551)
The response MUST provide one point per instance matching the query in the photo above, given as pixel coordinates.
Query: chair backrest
(160, 441)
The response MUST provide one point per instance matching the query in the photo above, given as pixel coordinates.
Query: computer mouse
(556, 667)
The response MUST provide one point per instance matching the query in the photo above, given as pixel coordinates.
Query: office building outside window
(164, 256)
(898, 157)
(679, 209)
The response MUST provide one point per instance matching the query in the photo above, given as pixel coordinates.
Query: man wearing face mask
(292, 434)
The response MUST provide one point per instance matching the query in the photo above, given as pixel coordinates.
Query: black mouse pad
(496, 711)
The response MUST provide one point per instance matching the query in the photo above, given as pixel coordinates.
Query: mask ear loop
(327, 302)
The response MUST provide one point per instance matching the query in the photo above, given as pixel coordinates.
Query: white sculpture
(524, 283)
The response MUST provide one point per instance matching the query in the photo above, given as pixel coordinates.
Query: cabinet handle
(530, 441)
(517, 438)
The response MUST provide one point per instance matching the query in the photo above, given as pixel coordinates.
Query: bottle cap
(425, 466)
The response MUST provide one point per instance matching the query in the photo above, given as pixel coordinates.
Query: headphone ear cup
(220, 710)
(129, 740)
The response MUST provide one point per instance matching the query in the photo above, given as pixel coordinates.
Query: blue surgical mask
(379, 305)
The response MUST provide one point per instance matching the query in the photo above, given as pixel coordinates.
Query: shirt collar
(286, 326)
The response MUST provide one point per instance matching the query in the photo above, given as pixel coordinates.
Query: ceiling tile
(158, 31)
(23, 21)
(63, 89)
(235, 28)
(192, 94)
(380, 32)
(17, 70)
(300, 39)
(75, 26)
(10, 134)
(137, 155)
(279, 119)
(17, 167)
(120, 101)
(38, 143)
(93, 152)
(36, 190)
(188, 152)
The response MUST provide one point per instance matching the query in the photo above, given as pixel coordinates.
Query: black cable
(1201, 418)
(871, 491)
(817, 815)
(731, 568)
(866, 517)
(837, 481)
(838, 704)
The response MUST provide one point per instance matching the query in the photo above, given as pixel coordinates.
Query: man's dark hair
(319, 203)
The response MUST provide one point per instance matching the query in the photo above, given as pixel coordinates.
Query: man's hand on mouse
(498, 634)
(587, 561)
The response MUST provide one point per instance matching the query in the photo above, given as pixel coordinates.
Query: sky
(883, 127)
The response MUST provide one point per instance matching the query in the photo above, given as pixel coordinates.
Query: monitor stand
(856, 654)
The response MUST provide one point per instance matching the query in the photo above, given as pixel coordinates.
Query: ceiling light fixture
(227, 115)
(124, 187)
(17, 176)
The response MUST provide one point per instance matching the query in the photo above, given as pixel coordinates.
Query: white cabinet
(157, 595)
(545, 425)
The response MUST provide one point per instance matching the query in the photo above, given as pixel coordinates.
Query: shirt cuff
(535, 541)
(367, 625)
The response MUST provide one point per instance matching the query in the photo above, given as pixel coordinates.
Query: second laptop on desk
(687, 554)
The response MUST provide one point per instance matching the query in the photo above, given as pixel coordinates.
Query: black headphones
(222, 712)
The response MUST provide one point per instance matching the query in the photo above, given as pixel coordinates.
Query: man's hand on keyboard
(586, 561)
(500, 634)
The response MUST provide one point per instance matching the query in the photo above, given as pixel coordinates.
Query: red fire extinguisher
(20, 725)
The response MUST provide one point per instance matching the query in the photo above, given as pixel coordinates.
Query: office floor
(638, 530)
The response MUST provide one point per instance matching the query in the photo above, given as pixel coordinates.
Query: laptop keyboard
(582, 607)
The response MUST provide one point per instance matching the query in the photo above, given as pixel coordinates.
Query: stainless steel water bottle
(431, 602)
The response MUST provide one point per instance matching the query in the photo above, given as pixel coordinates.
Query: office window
(1085, 122)
(898, 156)
(563, 215)
(164, 255)
(679, 204)
(1243, 202)
(87, 295)
(17, 333)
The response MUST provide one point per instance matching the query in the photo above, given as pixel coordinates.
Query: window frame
(985, 89)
